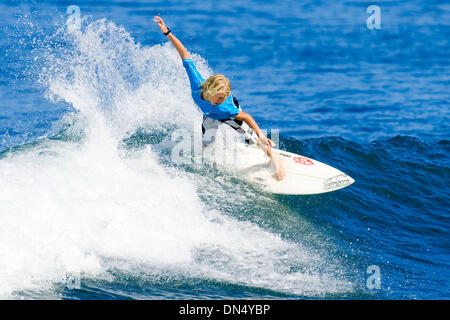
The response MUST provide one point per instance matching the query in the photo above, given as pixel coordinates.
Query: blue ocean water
(88, 210)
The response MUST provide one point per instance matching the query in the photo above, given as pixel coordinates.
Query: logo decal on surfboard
(338, 181)
(303, 160)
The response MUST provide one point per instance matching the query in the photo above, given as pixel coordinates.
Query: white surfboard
(303, 175)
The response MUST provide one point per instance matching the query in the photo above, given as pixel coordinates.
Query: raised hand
(161, 24)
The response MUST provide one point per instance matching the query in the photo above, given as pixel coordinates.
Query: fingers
(280, 171)
(160, 23)
(158, 19)
(280, 175)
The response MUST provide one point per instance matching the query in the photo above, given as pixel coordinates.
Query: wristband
(168, 31)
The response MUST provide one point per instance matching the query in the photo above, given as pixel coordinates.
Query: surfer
(214, 98)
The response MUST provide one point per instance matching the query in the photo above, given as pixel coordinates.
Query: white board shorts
(210, 126)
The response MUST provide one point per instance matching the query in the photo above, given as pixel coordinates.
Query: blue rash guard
(226, 110)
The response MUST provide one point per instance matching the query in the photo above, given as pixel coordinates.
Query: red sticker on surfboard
(303, 160)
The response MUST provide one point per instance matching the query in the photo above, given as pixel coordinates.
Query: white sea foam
(71, 208)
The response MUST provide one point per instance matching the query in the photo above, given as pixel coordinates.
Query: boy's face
(218, 98)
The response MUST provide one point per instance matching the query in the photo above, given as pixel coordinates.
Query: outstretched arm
(248, 119)
(184, 54)
(264, 143)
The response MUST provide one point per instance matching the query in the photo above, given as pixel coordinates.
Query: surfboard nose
(351, 180)
(337, 182)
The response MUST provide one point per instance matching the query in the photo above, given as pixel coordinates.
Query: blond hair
(215, 84)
